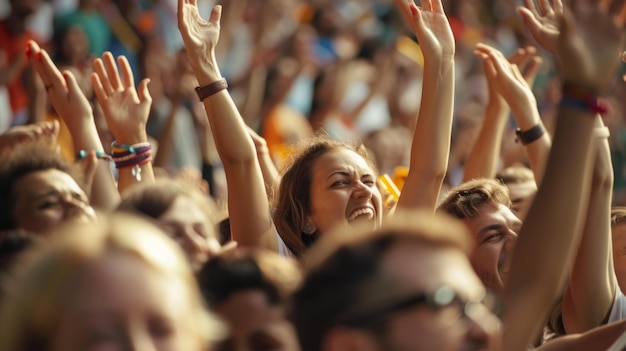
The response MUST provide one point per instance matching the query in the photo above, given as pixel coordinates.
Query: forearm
(482, 161)
(590, 293)
(527, 116)
(166, 138)
(133, 175)
(431, 141)
(546, 242)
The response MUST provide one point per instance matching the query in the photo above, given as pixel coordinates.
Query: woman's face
(343, 191)
(121, 303)
(45, 199)
(255, 325)
(185, 222)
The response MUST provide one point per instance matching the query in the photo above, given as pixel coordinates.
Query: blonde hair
(32, 310)
(464, 200)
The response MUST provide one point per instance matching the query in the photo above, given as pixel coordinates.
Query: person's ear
(348, 339)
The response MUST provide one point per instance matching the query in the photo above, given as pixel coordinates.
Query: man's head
(404, 286)
(520, 181)
(38, 191)
(483, 205)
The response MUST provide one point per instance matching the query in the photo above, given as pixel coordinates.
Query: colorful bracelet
(81, 154)
(130, 149)
(583, 98)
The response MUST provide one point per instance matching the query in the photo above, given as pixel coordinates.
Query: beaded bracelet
(99, 154)
(582, 98)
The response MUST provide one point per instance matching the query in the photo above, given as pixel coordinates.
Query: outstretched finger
(530, 6)
(531, 21)
(531, 70)
(544, 7)
(127, 72)
(98, 89)
(558, 6)
(112, 72)
(103, 79)
(437, 6)
(427, 5)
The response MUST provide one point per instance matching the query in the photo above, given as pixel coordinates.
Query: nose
(484, 328)
(74, 208)
(362, 190)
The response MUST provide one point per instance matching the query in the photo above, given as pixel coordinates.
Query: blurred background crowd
(293, 66)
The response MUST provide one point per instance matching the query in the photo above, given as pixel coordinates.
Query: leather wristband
(528, 136)
(211, 89)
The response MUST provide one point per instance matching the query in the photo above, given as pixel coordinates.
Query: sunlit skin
(522, 195)
(121, 303)
(619, 253)
(255, 324)
(414, 269)
(495, 231)
(343, 190)
(45, 199)
(190, 228)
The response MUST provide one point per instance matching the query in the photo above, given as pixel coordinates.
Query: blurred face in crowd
(119, 302)
(45, 199)
(495, 231)
(437, 303)
(343, 191)
(255, 324)
(189, 226)
(522, 195)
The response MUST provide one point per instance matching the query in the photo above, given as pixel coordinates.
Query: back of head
(276, 276)
(34, 308)
(154, 199)
(344, 270)
(515, 175)
(293, 200)
(24, 159)
(464, 200)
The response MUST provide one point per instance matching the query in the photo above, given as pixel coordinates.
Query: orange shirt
(13, 46)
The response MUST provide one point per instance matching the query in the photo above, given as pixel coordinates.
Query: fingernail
(38, 56)
(28, 51)
(413, 9)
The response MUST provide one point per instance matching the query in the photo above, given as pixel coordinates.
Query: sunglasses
(439, 299)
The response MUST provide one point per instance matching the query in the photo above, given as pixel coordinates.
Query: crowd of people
(312, 175)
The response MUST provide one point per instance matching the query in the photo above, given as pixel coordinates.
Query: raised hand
(200, 38)
(528, 62)
(46, 132)
(63, 91)
(504, 77)
(430, 25)
(125, 109)
(543, 22)
(590, 52)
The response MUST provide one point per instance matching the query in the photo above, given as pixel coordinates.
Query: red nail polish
(28, 51)
(38, 56)
(413, 9)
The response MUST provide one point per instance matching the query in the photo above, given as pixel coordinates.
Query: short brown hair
(618, 215)
(293, 201)
(342, 268)
(464, 200)
(22, 160)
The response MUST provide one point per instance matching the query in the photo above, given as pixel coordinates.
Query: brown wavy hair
(292, 203)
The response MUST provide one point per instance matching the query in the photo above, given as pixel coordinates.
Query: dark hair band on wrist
(528, 136)
(211, 89)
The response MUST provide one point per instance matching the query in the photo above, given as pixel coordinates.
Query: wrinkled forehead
(417, 267)
(46, 180)
(341, 159)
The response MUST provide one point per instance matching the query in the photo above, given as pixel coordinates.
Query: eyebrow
(341, 173)
(46, 194)
(489, 228)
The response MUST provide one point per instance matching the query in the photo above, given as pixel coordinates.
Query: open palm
(543, 23)
(200, 36)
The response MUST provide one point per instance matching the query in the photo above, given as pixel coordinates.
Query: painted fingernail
(28, 51)
(38, 56)
(413, 9)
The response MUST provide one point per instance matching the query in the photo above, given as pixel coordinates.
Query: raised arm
(548, 237)
(72, 106)
(431, 141)
(126, 111)
(592, 285)
(518, 94)
(482, 162)
(248, 204)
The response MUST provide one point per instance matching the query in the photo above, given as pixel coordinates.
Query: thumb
(144, 92)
